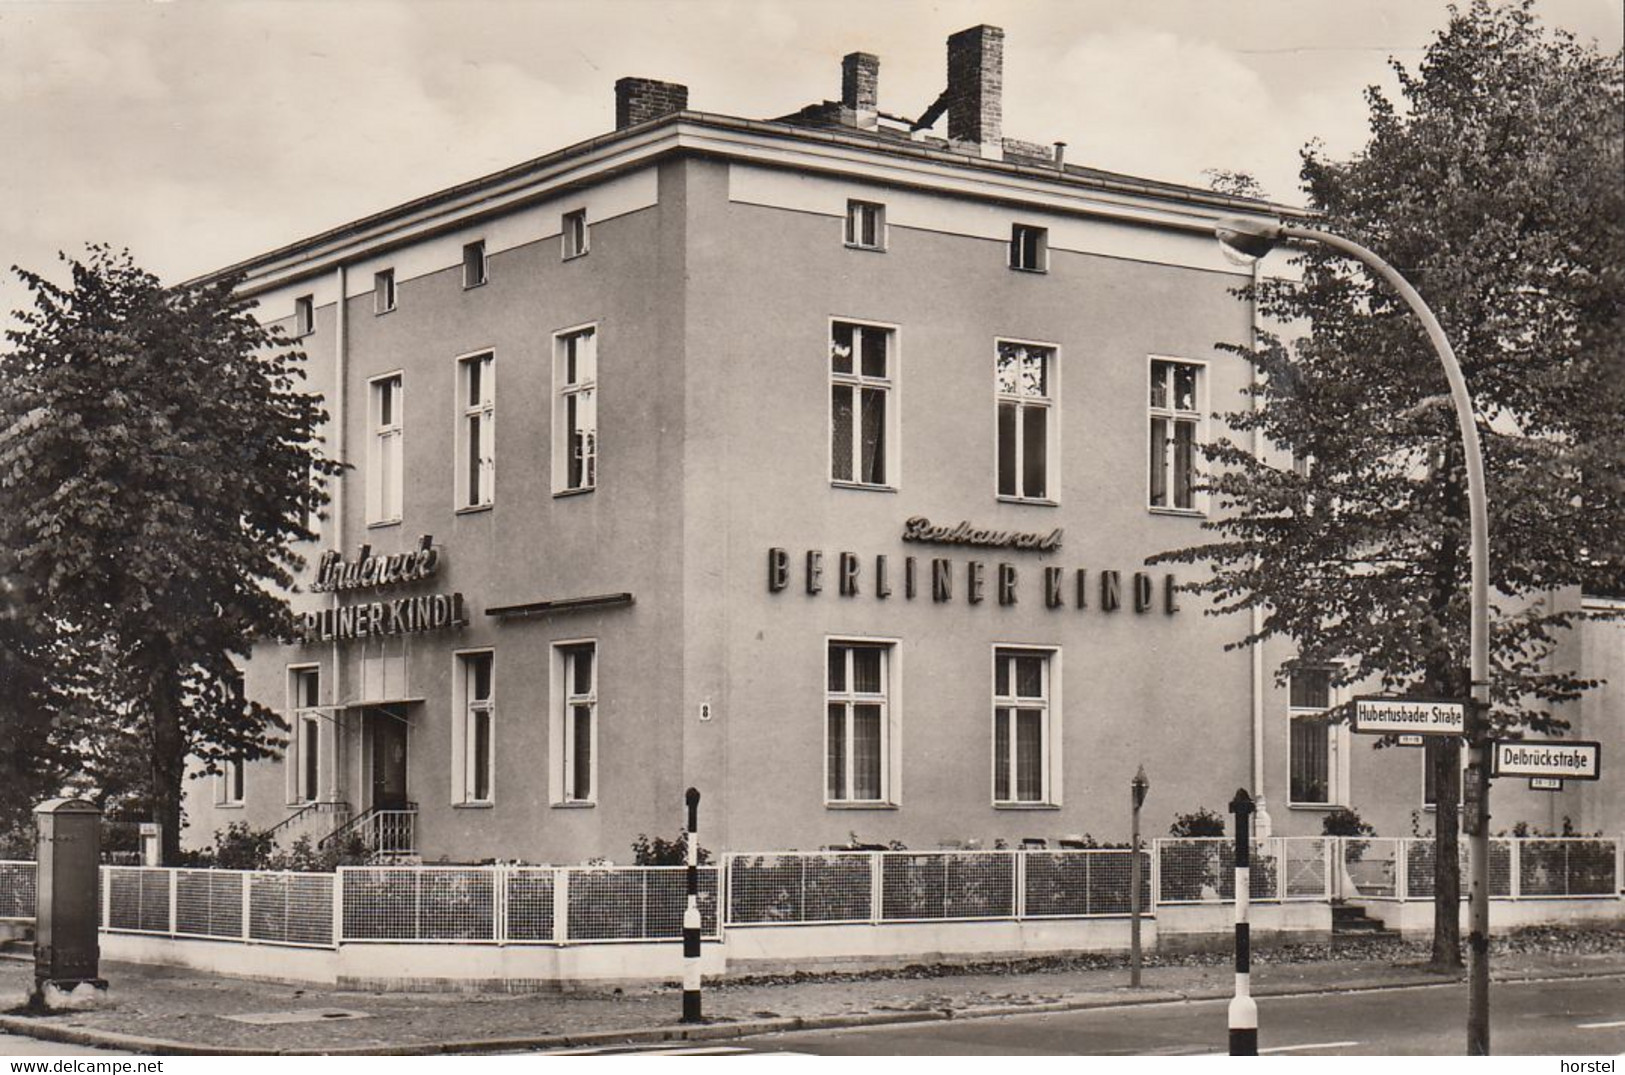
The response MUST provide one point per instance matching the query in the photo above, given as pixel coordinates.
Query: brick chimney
(860, 87)
(639, 100)
(975, 88)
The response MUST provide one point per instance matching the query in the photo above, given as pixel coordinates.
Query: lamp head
(1140, 784)
(1245, 241)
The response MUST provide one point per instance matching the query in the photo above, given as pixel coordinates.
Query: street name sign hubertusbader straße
(1380, 715)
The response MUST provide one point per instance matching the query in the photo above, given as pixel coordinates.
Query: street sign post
(1561, 758)
(1381, 715)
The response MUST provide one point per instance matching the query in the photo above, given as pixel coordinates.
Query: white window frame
(1169, 414)
(562, 733)
(386, 492)
(476, 271)
(383, 291)
(1051, 763)
(301, 715)
(575, 236)
(1337, 746)
(857, 381)
(891, 732)
(563, 391)
(464, 759)
(1050, 402)
(856, 209)
(476, 493)
(304, 315)
(1040, 253)
(231, 784)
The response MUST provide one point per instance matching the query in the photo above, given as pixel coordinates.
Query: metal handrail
(319, 806)
(363, 818)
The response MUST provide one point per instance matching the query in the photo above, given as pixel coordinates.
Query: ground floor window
(474, 748)
(1313, 738)
(857, 730)
(304, 755)
(1024, 733)
(575, 722)
(231, 783)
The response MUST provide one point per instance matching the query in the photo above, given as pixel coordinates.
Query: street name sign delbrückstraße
(1383, 715)
(1569, 759)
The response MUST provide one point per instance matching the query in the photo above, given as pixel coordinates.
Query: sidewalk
(167, 1010)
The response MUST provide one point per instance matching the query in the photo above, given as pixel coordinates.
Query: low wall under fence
(540, 927)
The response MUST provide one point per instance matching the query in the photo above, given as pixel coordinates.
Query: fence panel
(1370, 867)
(209, 903)
(635, 903)
(138, 899)
(420, 903)
(530, 904)
(935, 885)
(1419, 856)
(828, 886)
(291, 908)
(18, 889)
(1303, 866)
(1566, 867)
(1075, 884)
(1202, 869)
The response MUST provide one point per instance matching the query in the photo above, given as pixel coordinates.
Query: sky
(198, 133)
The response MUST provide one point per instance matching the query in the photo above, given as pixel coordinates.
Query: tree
(1496, 192)
(157, 460)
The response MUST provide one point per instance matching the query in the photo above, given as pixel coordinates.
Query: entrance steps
(1351, 923)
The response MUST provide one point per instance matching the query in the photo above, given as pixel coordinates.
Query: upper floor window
(575, 411)
(575, 721)
(304, 315)
(1176, 420)
(476, 447)
(474, 263)
(857, 735)
(475, 727)
(1023, 376)
(1025, 728)
(861, 379)
(1311, 754)
(383, 291)
(384, 477)
(866, 225)
(575, 233)
(1029, 248)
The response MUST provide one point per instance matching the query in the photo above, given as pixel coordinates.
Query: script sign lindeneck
(1409, 716)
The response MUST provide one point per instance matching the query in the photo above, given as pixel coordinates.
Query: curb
(724, 1031)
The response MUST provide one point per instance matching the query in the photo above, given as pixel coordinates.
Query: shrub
(662, 852)
(1203, 822)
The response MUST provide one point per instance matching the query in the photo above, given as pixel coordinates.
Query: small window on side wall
(866, 225)
(575, 233)
(474, 264)
(383, 291)
(1029, 248)
(304, 315)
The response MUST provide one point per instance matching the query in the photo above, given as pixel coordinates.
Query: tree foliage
(157, 459)
(1494, 187)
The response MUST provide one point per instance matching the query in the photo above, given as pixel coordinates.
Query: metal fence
(1535, 867)
(586, 904)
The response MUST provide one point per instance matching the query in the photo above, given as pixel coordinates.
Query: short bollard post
(691, 915)
(1243, 1009)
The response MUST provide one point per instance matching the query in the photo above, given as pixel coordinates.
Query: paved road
(1565, 1018)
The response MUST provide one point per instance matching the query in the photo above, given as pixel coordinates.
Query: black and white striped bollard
(691, 915)
(1243, 1009)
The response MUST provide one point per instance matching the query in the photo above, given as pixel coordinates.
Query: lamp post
(1137, 789)
(1252, 239)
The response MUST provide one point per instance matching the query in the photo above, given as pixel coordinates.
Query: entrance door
(388, 761)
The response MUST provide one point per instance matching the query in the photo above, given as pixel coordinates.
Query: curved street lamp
(1248, 240)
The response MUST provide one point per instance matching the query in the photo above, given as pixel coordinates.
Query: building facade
(814, 463)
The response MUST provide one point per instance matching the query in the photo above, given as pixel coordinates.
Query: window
(1175, 422)
(857, 731)
(575, 722)
(1025, 746)
(477, 444)
(383, 291)
(1029, 248)
(231, 783)
(384, 477)
(474, 264)
(1023, 377)
(575, 412)
(304, 315)
(866, 225)
(304, 756)
(575, 233)
(475, 746)
(861, 379)
(1311, 750)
